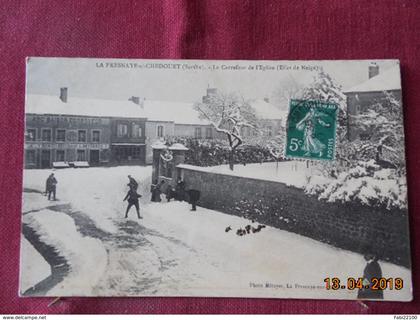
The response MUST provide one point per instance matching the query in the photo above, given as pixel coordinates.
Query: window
(31, 135)
(135, 153)
(122, 130)
(46, 134)
(96, 136)
(59, 155)
(61, 135)
(81, 155)
(136, 131)
(197, 133)
(81, 135)
(209, 133)
(128, 153)
(30, 157)
(160, 131)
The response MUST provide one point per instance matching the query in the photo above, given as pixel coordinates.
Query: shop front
(128, 153)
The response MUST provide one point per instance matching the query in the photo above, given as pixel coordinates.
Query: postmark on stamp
(311, 130)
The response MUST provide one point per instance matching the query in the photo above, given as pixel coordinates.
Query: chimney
(373, 70)
(266, 99)
(63, 94)
(137, 100)
(210, 92)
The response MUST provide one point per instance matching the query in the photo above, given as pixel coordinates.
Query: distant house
(180, 119)
(168, 119)
(373, 90)
(271, 117)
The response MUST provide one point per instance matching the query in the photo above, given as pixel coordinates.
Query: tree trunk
(231, 161)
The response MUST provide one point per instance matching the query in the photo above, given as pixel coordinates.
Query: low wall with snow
(349, 226)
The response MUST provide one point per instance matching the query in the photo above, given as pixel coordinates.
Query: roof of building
(46, 104)
(388, 80)
(178, 112)
(266, 110)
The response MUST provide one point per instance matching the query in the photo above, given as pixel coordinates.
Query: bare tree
(276, 147)
(228, 113)
(288, 89)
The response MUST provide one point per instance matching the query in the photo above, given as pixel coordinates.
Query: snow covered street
(172, 251)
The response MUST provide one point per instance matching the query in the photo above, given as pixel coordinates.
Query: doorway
(45, 159)
(94, 157)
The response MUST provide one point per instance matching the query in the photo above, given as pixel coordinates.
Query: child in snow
(133, 200)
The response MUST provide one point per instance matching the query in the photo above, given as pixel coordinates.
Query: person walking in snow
(51, 187)
(132, 184)
(194, 196)
(133, 200)
(180, 190)
(156, 191)
(372, 270)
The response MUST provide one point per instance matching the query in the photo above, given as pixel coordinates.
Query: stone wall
(350, 226)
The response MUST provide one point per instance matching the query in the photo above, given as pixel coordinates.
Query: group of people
(179, 193)
(132, 197)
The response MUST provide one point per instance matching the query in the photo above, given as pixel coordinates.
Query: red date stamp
(363, 283)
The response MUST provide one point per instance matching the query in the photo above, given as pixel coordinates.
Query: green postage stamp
(311, 130)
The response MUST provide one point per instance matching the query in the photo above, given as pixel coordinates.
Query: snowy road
(172, 251)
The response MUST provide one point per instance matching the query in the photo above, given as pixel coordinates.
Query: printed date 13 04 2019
(363, 283)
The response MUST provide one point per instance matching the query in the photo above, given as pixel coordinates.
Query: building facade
(61, 131)
(128, 137)
(62, 138)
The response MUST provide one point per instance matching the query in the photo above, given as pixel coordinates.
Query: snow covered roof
(45, 104)
(153, 110)
(266, 110)
(159, 145)
(178, 112)
(386, 81)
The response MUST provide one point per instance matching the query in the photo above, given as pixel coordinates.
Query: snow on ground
(97, 191)
(86, 256)
(33, 267)
(294, 173)
(232, 264)
(174, 251)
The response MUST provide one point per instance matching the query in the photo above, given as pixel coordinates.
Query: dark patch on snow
(84, 224)
(59, 266)
(29, 190)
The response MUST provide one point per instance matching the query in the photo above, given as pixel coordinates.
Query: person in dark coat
(132, 184)
(133, 200)
(194, 196)
(180, 190)
(156, 191)
(372, 270)
(51, 186)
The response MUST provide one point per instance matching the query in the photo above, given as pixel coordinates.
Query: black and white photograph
(178, 178)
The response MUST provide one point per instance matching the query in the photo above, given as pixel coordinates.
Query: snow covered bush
(366, 183)
(214, 152)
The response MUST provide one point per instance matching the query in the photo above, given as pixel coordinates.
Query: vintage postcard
(276, 179)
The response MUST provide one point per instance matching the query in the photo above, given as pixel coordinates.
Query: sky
(117, 79)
